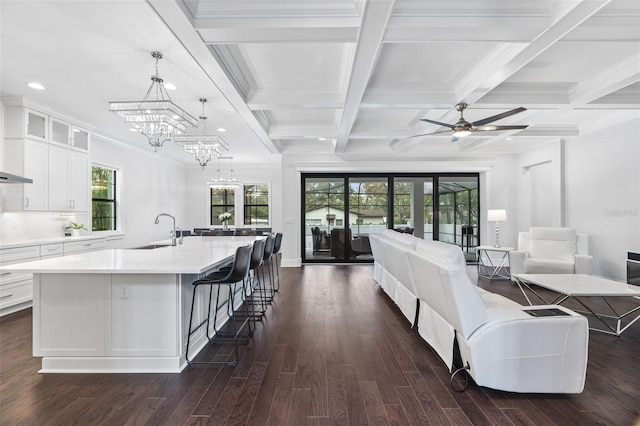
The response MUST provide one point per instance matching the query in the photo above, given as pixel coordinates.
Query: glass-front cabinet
(67, 134)
(36, 125)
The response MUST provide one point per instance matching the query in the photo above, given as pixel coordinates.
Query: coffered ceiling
(350, 77)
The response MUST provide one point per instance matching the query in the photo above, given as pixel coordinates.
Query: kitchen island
(122, 310)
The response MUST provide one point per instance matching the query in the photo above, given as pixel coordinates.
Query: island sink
(153, 246)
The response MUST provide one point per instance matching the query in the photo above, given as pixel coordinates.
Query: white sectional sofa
(501, 345)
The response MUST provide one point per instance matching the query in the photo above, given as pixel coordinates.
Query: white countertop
(50, 240)
(195, 256)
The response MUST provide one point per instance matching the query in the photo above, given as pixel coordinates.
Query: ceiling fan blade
(491, 128)
(427, 134)
(498, 117)
(437, 122)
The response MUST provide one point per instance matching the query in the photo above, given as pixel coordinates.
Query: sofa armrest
(551, 359)
(516, 262)
(583, 264)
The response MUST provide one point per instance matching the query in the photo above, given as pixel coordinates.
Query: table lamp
(497, 216)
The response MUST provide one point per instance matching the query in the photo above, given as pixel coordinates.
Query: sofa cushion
(552, 243)
(443, 252)
(466, 307)
(547, 266)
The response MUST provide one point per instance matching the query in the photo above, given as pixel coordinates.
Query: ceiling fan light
(461, 133)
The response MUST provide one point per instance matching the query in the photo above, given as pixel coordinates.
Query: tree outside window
(256, 204)
(103, 199)
(222, 200)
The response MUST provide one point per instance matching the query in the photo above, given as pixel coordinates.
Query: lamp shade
(497, 215)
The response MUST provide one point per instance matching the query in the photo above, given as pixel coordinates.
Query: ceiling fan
(463, 128)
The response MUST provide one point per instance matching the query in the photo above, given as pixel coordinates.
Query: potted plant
(224, 218)
(75, 228)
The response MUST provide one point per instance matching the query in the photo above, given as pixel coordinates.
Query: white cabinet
(84, 246)
(28, 158)
(67, 134)
(48, 251)
(52, 152)
(36, 124)
(68, 180)
(16, 288)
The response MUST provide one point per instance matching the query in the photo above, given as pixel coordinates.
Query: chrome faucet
(173, 233)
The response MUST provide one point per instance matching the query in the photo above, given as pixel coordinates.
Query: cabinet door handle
(26, 201)
(5, 273)
(6, 295)
(70, 206)
(87, 245)
(73, 202)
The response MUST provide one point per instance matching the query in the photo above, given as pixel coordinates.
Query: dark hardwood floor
(333, 349)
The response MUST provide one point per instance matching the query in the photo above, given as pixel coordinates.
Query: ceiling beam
(606, 82)
(507, 60)
(181, 26)
(374, 23)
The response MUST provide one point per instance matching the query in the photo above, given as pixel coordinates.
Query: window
(103, 199)
(256, 204)
(222, 200)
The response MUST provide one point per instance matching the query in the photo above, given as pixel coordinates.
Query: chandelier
(158, 119)
(203, 147)
(220, 182)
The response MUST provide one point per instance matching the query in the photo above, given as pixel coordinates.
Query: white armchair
(545, 250)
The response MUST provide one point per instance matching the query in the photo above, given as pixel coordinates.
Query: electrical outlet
(124, 292)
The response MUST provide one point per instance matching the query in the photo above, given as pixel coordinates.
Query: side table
(486, 266)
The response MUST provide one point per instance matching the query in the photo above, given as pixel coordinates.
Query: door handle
(26, 201)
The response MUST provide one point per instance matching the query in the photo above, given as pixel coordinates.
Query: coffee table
(577, 286)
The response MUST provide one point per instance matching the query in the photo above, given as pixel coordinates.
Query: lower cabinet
(16, 288)
(105, 315)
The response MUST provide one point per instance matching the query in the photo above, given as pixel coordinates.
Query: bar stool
(267, 293)
(228, 278)
(274, 258)
(253, 289)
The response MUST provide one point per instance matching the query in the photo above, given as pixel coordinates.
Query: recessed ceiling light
(508, 139)
(35, 85)
(221, 129)
(170, 86)
(133, 129)
(322, 139)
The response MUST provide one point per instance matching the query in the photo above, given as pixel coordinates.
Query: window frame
(215, 222)
(268, 205)
(117, 200)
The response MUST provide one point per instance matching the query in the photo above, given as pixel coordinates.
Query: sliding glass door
(458, 212)
(324, 213)
(341, 210)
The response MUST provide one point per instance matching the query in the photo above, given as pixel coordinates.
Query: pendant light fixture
(203, 147)
(220, 182)
(156, 116)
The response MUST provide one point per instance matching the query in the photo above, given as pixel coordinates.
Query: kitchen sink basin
(153, 246)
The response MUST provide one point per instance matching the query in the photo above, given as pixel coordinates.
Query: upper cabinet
(36, 124)
(67, 134)
(51, 151)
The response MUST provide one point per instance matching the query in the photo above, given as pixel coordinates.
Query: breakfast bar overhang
(122, 310)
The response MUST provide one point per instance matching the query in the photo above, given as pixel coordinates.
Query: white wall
(152, 185)
(540, 175)
(197, 209)
(499, 190)
(603, 195)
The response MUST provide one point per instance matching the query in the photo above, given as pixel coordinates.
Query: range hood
(9, 178)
